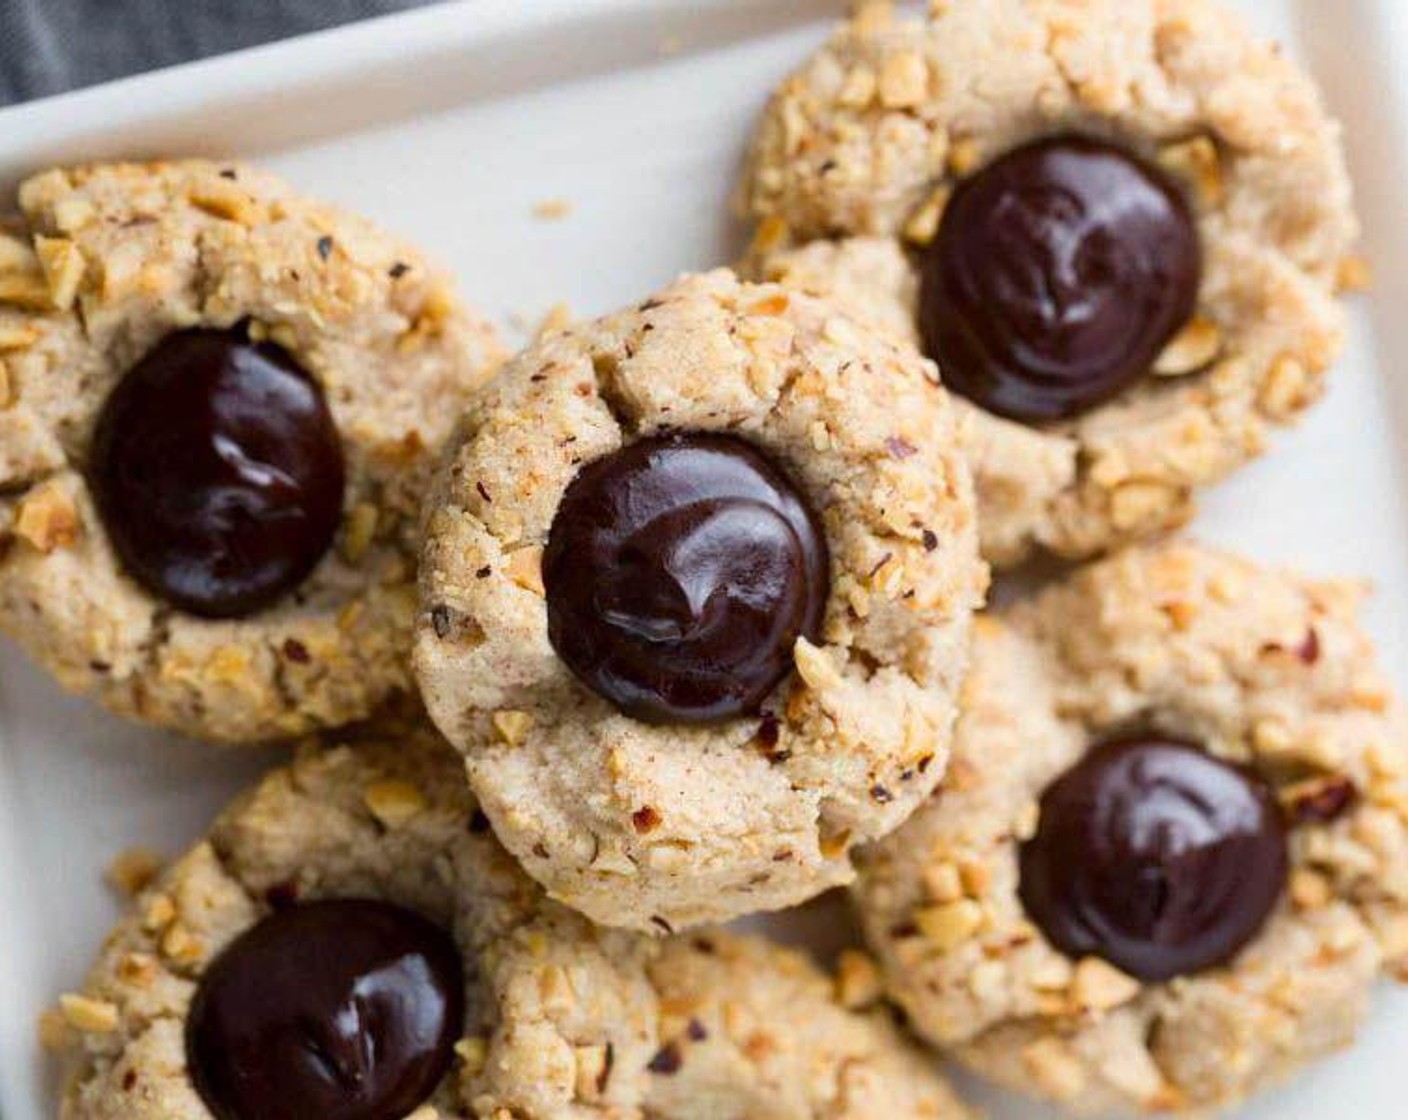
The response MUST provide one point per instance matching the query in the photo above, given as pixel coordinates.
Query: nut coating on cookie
(696, 592)
(1170, 860)
(350, 943)
(218, 472)
(216, 444)
(1118, 225)
(1058, 275)
(680, 572)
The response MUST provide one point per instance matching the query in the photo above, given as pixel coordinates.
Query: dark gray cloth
(48, 46)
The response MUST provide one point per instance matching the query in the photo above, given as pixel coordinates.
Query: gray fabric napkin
(48, 46)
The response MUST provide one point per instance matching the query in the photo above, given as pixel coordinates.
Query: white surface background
(449, 125)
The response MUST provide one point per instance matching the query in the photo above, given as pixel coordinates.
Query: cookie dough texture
(1262, 667)
(660, 827)
(106, 262)
(859, 150)
(564, 1021)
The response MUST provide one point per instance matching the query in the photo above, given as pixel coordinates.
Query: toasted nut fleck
(72, 214)
(1054, 1068)
(181, 945)
(835, 844)
(361, 529)
(857, 981)
(473, 1054)
(91, 1016)
(18, 337)
(965, 156)
(525, 568)
(1309, 890)
(1272, 737)
(1052, 975)
(923, 224)
(977, 877)
(394, 803)
(942, 882)
(904, 81)
(1024, 827)
(1139, 502)
(26, 289)
(222, 199)
(772, 233)
(133, 870)
(593, 1069)
(6, 393)
(1288, 388)
(63, 266)
(138, 969)
(512, 726)
(160, 912)
(1195, 347)
(17, 254)
(1099, 986)
(858, 90)
(47, 518)
(951, 924)
(817, 670)
(1354, 275)
(53, 1029)
(1198, 162)
(775, 304)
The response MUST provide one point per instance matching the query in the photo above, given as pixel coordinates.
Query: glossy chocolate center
(342, 1010)
(218, 473)
(680, 571)
(1057, 277)
(1156, 857)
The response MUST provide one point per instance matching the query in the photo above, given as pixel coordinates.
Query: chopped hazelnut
(816, 669)
(63, 266)
(1194, 348)
(1099, 986)
(47, 518)
(949, 925)
(91, 1016)
(394, 803)
(525, 568)
(857, 981)
(1198, 162)
(512, 726)
(904, 81)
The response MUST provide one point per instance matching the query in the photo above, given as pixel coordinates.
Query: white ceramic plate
(449, 125)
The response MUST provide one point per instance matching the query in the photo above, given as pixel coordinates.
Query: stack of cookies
(677, 615)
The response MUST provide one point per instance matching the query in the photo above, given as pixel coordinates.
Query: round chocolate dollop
(343, 1010)
(1156, 857)
(679, 572)
(1057, 277)
(218, 473)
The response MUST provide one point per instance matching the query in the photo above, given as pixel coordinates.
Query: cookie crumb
(552, 210)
